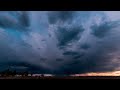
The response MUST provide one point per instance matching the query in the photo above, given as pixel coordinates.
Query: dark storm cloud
(59, 59)
(103, 29)
(93, 63)
(14, 20)
(70, 53)
(43, 59)
(96, 57)
(64, 16)
(66, 35)
(85, 46)
(22, 66)
(24, 19)
(99, 61)
(78, 56)
(40, 53)
(7, 54)
(6, 22)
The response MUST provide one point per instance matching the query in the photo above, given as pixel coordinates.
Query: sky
(60, 42)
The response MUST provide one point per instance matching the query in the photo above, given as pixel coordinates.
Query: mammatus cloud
(60, 42)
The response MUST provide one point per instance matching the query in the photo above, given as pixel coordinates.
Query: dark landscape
(7, 74)
(67, 77)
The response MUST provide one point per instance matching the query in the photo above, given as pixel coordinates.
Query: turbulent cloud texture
(60, 42)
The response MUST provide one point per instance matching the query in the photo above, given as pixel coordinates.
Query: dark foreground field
(81, 77)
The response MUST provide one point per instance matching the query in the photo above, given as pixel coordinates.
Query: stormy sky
(60, 42)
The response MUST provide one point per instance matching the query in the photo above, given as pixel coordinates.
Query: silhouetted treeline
(13, 73)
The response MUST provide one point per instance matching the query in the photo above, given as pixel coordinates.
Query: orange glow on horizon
(113, 73)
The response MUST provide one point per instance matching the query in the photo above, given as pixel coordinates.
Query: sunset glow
(114, 73)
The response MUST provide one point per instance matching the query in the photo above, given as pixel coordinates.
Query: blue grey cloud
(101, 30)
(64, 16)
(66, 35)
(14, 20)
(59, 42)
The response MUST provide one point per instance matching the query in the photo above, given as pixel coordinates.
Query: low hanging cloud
(60, 42)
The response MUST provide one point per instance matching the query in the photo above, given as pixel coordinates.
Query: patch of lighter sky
(113, 15)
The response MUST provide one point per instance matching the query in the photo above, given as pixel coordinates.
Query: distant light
(113, 73)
